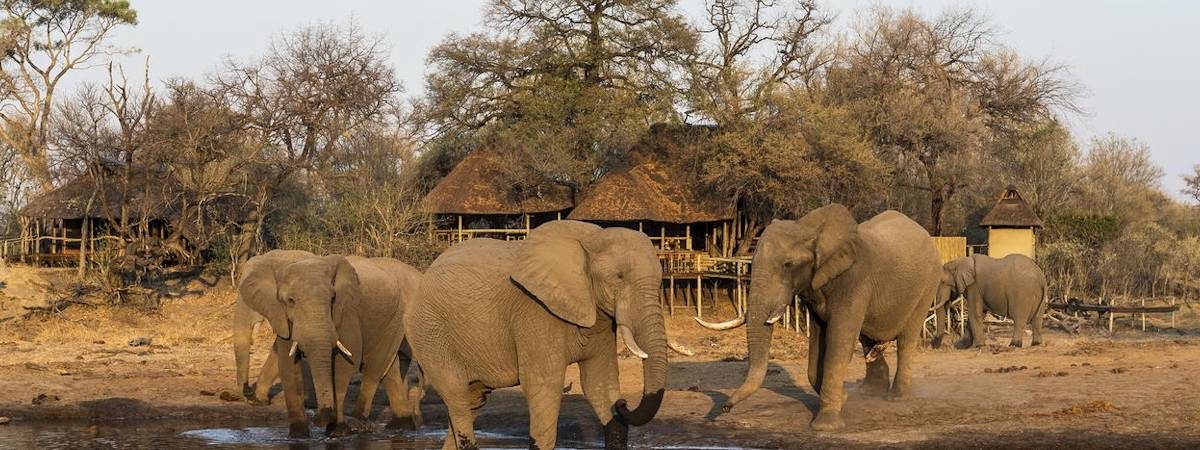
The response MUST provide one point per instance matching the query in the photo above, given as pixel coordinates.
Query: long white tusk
(342, 348)
(726, 325)
(295, 348)
(774, 319)
(627, 336)
(680, 349)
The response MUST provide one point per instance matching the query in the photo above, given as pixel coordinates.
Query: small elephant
(871, 282)
(341, 315)
(493, 314)
(245, 318)
(1012, 287)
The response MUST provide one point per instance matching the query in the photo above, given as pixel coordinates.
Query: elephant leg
(544, 395)
(243, 337)
(906, 350)
(293, 390)
(598, 375)
(266, 378)
(816, 354)
(1018, 332)
(876, 382)
(366, 397)
(462, 400)
(842, 329)
(975, 321)
(406, 411)
(1037, 324)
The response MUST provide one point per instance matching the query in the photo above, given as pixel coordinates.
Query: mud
(1097, 391)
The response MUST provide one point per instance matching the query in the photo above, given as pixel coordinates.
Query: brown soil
(1133, 388)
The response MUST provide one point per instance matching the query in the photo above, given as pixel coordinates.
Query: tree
(315, 86)
(564, 86)
(933, 91)
(1042, 160)
(1193, 183)
(1119, 179)
(44, 41)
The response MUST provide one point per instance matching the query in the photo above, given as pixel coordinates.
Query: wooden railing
(453, 236)
(31, 246)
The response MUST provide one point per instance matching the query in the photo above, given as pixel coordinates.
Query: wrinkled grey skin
(493, 314)
(316, 303)
(245, 317)
(1012, 287)
(871, 282)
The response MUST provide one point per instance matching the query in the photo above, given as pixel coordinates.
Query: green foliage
(1089, 230)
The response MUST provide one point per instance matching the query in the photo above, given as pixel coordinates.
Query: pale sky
(1138, 60)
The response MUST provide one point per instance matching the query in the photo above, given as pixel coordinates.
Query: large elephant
(1012, 287)
(341, 315)
(494, 314)
(871, 282)
(245, 318)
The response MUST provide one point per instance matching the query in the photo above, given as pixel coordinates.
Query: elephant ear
(552, 265)
(258, 290)
(345, 287)
(964, 274)
(834, 250)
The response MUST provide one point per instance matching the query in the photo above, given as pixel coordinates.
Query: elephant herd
(490, 314)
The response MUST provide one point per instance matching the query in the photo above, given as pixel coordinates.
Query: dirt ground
(1100, 391)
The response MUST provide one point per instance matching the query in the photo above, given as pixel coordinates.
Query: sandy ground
(1098, 391)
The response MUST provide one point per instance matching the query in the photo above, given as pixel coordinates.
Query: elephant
(872, 282)
(245, 318)
(1013, 287)
(341, 315)
(493, 314)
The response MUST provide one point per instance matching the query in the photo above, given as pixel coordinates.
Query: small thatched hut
(1011, 225)
(478, 198)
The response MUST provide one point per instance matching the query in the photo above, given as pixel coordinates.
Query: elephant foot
(404, 423)
(248, 391)
(936, 342)
(874, 388)
(1035, 343)
(298, 430)
(896, 395)
(1016, 344)
(828, 421)
(616, 435)
(339, 430)
(324, 418)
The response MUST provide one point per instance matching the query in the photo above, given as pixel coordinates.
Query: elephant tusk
(294, 350)
(774, 319)
(627, 336)
(680, 349)
(343, 349)
(777, 314)
(726, 325)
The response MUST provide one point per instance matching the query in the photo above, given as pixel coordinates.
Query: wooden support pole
(699, 296)
(640, 228)
(460, 228)
(671, 298)
(1143, 315)
(527, 223)
(662, 237)
(688, 234)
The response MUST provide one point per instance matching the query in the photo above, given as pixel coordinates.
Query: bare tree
(1193, 184)
(43, 42)
(314, 87)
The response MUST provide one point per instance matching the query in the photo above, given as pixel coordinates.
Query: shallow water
(72, 435)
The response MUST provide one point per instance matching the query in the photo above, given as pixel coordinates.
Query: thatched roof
(478, 185)
(655, 185)
(1011, 211)
(149, 195)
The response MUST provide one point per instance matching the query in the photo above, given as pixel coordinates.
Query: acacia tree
(44, 41)
(313, 88)
(933, 91)
(562, 85)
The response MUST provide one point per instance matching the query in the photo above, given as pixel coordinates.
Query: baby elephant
(1012, 287)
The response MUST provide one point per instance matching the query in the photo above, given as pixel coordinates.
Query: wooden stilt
(460, 228)
(688, 234)
(671, 300)
(699, 296)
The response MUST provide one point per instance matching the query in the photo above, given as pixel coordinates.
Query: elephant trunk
(762, 304)
(650, 335)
